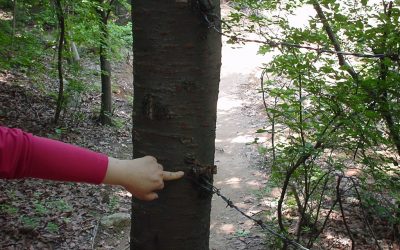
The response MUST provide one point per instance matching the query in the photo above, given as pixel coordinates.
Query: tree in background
(104, 10)
(27, 43)
(61, 24)
(177, 65)
(14, 20)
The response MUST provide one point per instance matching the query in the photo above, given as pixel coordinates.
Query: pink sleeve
(24, 155)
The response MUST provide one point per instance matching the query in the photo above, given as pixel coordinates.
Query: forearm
(59, 161)
(23, 155)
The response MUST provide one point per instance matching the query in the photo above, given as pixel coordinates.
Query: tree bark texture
(177, 61)
(105, 67)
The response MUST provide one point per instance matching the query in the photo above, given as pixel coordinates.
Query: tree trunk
(177, 62)
(60, 98)
(105, 67)
(122, 14)
(14, 21)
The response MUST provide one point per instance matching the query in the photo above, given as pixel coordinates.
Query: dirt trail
(238, 119)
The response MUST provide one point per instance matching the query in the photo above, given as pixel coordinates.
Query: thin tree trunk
(105, 67)
(177, 63)
(14, 21)
(60, 98)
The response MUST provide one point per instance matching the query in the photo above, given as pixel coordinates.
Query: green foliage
(30, 221)
(85, 30)
(8, 209)
(57, 134)
(21, 52)
(241, 233)
(113, 203)
(333, 116)
(118, 122)
(40, 208)
(52, 227)
(6, 4)
(31, 48)
(60, 205)
(83, 27)
(120, 40)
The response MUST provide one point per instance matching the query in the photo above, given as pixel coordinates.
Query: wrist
(113, 173)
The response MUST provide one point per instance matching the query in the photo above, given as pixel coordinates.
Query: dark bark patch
(153, 109)
(186, 86)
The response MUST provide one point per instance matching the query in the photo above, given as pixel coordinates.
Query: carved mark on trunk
(153, 109)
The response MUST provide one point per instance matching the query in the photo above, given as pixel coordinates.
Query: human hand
(141, 176)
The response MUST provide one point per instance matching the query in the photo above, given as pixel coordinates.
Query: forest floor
(37, 214)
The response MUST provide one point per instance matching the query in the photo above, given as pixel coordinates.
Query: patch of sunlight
(253, 183)
(301, 16)
(275, 192)
(243, 139)
(244, 59)
(227, 228)
(218, 182)
(262, 139)
(253, 212)
(5, 15)
(353, 172)
(329, 236)
(124, 193)
(249, 223)
(234, 183)
(225, 103)
(242, 206)
(234, 180)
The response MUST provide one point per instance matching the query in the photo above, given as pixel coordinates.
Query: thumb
(170, 176)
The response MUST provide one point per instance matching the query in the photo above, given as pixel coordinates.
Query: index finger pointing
(170, 176)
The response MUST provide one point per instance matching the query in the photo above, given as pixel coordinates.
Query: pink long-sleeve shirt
(24, 155)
